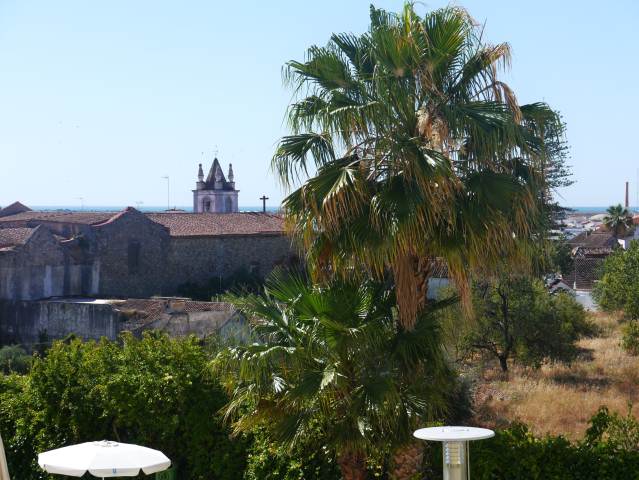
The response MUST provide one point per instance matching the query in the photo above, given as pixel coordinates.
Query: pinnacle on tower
(200, 174)
(230, 175)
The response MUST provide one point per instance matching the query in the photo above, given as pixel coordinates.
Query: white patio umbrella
(103, 459)
(4, 470)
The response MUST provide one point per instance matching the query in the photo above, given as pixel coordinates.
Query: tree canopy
(409, 147)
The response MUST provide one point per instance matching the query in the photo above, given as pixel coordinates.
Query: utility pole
(264, 198)
(168, 192)
(81, 202)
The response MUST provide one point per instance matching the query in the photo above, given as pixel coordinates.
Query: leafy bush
(270, 461)
(155, 391)
(518, 318)
(516, 453)
(630, 337)
(14, 359)
(619, 284)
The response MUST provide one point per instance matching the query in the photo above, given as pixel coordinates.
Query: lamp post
(455, 451)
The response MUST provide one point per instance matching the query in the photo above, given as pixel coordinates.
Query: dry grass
(560, 399)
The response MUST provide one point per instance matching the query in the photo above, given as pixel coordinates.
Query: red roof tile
(10, 237)
(219, 224)
(62, 216)
(15, 207)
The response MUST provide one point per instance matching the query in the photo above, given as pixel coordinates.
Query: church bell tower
(216, 193)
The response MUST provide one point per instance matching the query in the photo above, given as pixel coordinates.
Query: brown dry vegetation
(560, 399)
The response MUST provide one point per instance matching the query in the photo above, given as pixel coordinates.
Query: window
(229, 204)
(206, 205)
(133, 256)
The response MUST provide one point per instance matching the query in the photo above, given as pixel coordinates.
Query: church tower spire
(215, 193)
(231, 176)
(200, 178)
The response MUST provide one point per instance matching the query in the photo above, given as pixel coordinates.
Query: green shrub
(269, 461)
(155, 391)
(518, 319)
(14, 359)
(517, 454)
(619, 284)
(630, 337)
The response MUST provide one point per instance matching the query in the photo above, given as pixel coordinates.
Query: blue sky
(101, 99)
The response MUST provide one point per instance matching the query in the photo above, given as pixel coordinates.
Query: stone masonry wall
(198, 259)
(41, 268)
(127, 270)
(24, 322)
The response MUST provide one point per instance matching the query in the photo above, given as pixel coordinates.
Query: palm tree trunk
(411, 273)
(407, 462)
(352, 465)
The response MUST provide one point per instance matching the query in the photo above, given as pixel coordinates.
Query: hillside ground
(560, 399)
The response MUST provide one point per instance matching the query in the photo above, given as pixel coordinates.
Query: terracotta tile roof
(150, 309)
(219, 224)
(15, 207)
(439, 268)
(594, 240)
(10, 237)
(61, 216)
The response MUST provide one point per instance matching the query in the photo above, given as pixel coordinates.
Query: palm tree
(618, 220)
(415, 151)
(332, 359)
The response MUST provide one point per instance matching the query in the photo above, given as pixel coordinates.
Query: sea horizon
(242, 208)
(142, 208)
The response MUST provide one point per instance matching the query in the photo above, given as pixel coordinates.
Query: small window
(229, 205)
(133, 256)
(206, 205)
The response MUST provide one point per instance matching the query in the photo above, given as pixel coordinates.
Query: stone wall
(26, 322)
(199, 259)
(131, 254)
(42, 268)
(29, 322)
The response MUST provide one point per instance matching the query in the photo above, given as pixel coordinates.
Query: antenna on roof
(216, 151)
(168, 192)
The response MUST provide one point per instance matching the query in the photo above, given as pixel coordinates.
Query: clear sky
(101, 99)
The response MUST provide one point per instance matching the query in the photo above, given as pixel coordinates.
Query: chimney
(627, 198)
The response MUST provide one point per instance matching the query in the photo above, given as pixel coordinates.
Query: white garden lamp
(103, 459)
(455, 447)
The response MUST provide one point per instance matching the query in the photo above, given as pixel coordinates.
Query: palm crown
(618, 219)
(416, 151)
(332, 359)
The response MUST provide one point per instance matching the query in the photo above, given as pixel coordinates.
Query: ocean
(248, 208)
(142, 208)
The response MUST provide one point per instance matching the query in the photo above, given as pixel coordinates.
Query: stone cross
(264, 198)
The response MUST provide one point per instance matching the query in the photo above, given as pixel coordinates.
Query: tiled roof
(590, 240)
(150, 309)
(10, 237)
(585, 272)
(61, 216)
(179, 224)
(15, 207)
(439, 268)
(218, 224)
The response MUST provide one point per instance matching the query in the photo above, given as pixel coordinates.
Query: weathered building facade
(131, 254)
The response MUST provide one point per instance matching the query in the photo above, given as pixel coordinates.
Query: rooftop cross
(264, 198)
